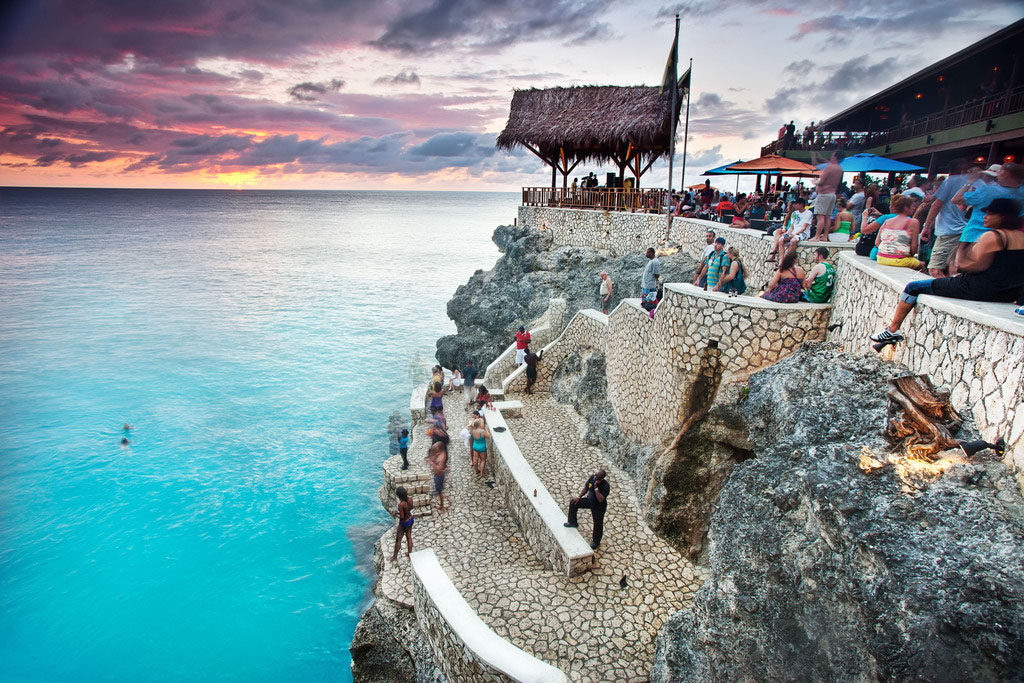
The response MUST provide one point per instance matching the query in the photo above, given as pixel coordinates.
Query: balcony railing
(1007, 102)
(601, 198)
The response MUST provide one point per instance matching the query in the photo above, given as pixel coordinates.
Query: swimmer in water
(126, 427)
(124, 441)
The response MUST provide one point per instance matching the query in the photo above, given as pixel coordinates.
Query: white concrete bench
(540, 517)
(509, 408)
(418, 403)
(464, 646)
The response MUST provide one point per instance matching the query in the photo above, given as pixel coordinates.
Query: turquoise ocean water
(256, 342)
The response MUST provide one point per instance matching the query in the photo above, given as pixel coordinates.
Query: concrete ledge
(742, 301)
(464, 646)
(509, 408)
(418, 403)
(540, 517)
(988, 313)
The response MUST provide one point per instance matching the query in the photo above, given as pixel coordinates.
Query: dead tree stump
(921, 419)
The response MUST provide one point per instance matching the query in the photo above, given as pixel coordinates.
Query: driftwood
(921, 419)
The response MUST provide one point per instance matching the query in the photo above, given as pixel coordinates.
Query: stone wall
(652, 364)
(540, 517)
(975, 349)
(462, 644)
(588, 330)
(542, 331)
(616, 231)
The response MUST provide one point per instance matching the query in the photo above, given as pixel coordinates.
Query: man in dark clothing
(531, 359)
(469, 374)
(594, 496)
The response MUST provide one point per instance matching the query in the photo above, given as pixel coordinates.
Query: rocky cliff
(831, 560)
(488, 309)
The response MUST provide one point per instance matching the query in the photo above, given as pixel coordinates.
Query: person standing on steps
(478, 454)
(403, 447)
(649, 280)
(594, 496)
(522, 340)
(404, 516)
(469, 374)
(605, 292)
(438, 459)
(531, 359)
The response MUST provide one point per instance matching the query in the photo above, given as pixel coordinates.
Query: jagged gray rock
(492, 304)
(820, 570)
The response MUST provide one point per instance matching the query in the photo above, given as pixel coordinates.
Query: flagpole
(672, 128)
(686, 128)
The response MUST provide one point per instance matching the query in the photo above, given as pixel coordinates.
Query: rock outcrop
(831, 559)
(488, 309)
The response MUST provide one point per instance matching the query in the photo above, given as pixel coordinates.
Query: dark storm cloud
(490, 24)
(308, 92)
(403, 77)
(840, 84)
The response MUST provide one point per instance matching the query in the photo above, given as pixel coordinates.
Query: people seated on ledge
(733, 281)
(797, 227)
(897, 239)
(822, 278)
(483, 397)
(873, 220)
(787, 283)
(992, 269)
(982, 191)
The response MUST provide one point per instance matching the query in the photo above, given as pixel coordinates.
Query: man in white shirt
(801, 221)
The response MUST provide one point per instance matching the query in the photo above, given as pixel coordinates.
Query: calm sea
(256, 342)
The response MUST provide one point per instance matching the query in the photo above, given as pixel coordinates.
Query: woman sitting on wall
(991, 270)
(787, 283)
(897, 240)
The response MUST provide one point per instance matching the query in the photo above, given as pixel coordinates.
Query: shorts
(905, 262)
(944, 248)
(531, 373)
(520, 355)
(439, 483)
(824, 204)
(839, 237)
(457, 382)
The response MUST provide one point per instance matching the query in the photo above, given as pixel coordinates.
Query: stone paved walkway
(586, 625)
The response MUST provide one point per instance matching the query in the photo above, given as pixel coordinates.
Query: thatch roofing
(591, 121)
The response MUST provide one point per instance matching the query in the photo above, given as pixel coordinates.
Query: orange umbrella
(773, 163)
(699, 186)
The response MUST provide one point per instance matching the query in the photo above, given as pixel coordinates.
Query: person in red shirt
(522, 340)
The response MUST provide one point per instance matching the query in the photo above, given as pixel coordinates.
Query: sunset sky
(337, 94)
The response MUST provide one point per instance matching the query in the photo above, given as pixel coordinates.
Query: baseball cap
(720, 240)
(521, 328)
(993, 170)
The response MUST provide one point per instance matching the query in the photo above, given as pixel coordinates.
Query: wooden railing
(601, 198)
(1006, 102)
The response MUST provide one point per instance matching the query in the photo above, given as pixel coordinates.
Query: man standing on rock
(649, 280)
(605, 291)
(469, 374)
(522, 340)
(594, 496)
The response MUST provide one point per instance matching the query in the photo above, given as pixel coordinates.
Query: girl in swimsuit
(478, 454)
(405, 520)
(844, 222)
(437, 398)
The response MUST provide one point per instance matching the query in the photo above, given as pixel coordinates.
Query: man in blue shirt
(469, 374)
(979, 195)
(947, 221)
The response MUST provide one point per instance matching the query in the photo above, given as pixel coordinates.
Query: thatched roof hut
(565, 126)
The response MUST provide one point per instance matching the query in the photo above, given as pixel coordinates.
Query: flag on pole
(671, 66)
(684, 82)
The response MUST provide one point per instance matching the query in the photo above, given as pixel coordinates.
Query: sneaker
(887, 337)
(1019, 310)
(594, 546)
(571, 526)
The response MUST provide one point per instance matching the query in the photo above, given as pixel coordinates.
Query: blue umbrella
(724, 170)
(865, 163)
